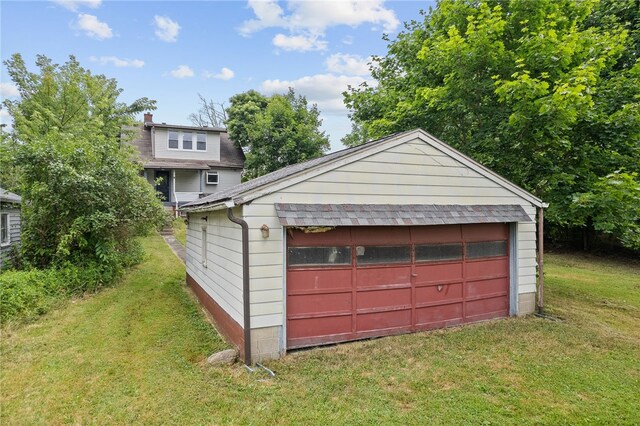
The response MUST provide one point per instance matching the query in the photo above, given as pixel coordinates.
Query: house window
(173, 140)
(184, 140)
(204, 246)
(4, 229)
(212, 178)
(202, 141)
(187, 140)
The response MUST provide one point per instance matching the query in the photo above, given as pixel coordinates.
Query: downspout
(245, 283)
(541, 260)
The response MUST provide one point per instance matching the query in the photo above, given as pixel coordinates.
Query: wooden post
(540, 260)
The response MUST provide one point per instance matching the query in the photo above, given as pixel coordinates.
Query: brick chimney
(148, 117)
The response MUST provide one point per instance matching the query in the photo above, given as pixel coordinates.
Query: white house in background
(394, 236)
(185, 163)
(9, 226)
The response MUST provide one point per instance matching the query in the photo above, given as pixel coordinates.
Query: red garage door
(357, 282)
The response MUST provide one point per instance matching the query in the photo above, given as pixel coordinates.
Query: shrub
(25, 295)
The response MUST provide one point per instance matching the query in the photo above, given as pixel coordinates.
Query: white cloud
(268, 14)
(224, 74)
(342, 63)
(298, 43)
(322, 89)
(316, 16)
(307, 21)
(73, 5)
(183, 71)
(8, 90)
(348, 40)
(166, 28)
(118, 62)
(93, 27)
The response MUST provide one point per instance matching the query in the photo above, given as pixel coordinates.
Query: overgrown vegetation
(545, 92)
(134, 354)
(27, 294)
(83, 199)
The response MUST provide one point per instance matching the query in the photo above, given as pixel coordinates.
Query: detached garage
(398, 235)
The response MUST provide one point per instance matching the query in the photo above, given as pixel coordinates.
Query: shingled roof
(9, 197)
(396, 214)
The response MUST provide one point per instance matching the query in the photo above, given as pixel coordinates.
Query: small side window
(173, 140)
(212, 178)
(204, 246)
(4, 229)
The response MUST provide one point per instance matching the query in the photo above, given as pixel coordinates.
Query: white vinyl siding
(13, 231)
(411, 173)
(222, 277)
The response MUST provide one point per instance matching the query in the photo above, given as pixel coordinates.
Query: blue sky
(170, 51)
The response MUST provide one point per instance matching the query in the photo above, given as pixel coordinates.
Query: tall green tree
(83, 197)
(275, 131)
(545, 92)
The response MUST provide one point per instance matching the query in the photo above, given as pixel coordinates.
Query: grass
(180, 230)
(135, 354)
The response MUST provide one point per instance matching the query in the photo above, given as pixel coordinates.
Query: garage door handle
(414, 275)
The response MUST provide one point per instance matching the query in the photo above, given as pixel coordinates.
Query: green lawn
(180, 230)
(135, 354)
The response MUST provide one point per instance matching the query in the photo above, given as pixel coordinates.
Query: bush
(24, 295)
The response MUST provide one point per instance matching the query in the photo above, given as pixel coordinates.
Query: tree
(210, 114)
(275, 131)
(546, 93)
(83, 196)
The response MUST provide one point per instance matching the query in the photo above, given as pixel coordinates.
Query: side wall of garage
(216, 273)
(410, 173)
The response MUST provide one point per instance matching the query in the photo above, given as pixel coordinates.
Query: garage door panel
(487, 287)
(445, 272)
(434, 294)
(316, 327)
(487, 268)
(320, 280)
(315, 304)
(495, 305)
(374, 277)
(485, 232)
(383, 320)
(437, 315)
(367, 235)
(437, 234)
(384, 298)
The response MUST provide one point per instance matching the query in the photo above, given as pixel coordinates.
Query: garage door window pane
(438, 252)
(319, 256)
(486, 249)
(368, 255)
